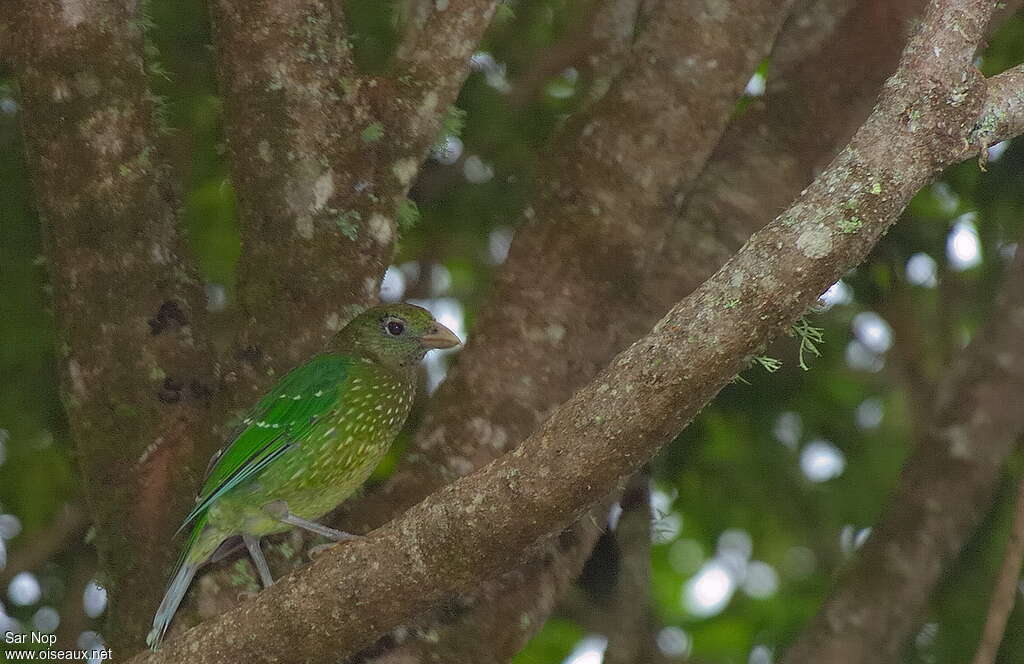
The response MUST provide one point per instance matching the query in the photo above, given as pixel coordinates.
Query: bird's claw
(320, 548)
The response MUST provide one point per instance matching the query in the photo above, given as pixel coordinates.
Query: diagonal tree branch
(873, 32)
(877, 29)
(482, 523)
(593, 244)
(120, 279)
(517, 366)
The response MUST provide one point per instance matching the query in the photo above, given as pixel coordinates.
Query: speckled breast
(332, 458)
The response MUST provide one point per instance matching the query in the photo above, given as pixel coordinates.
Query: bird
(308, 444)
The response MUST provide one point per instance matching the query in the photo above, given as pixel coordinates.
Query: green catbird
(309, 443)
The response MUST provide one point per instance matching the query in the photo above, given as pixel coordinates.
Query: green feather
(280, 418)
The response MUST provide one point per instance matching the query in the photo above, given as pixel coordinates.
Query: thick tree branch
(493, 621)
(593, 240)
(120, 280)
(483, 523)
(322, 157)
(873, 33)
(589, 242)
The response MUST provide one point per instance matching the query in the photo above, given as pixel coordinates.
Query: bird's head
(396, 334)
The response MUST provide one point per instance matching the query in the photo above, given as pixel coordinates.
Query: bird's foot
(320, 548)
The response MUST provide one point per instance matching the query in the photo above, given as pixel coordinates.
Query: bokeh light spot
(707, 593)
(963, 247)
(24, 589)
(821, 461)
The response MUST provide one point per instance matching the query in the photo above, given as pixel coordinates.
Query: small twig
(631, 630)
(1006, 588)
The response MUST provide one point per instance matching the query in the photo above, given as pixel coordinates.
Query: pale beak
(440, 337)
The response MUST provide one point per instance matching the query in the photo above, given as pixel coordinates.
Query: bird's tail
(172, 598)
(183, 572)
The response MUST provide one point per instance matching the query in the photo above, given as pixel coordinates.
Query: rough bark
(322, 156)
(123, 286)
(482, 523)
(700, 249)
(493, 621)
(590, 232)
(120, 281)
(590, 243)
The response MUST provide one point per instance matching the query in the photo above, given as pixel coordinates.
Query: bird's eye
(395, 328)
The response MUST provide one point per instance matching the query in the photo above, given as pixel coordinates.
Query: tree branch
(494, 620)
(631, 636)
(482, 523)
(594, 244)
(120, 280)
(1006, 586)
(600, 44)
(322, 157)
(591, 243)
(873, 33)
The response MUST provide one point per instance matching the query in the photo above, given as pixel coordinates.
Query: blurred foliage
(733, 489)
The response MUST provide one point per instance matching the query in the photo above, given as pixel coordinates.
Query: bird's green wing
(281, 417)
